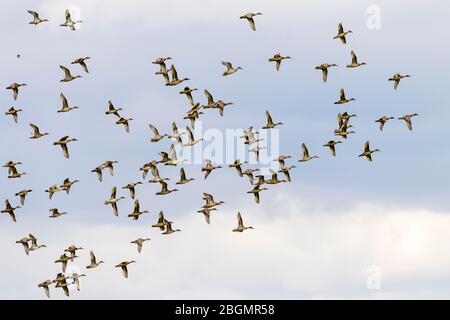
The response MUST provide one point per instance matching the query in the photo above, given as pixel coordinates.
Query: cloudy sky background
(315, 237)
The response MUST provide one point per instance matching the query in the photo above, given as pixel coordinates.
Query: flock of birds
(183, 139)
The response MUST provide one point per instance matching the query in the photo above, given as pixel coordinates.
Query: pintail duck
(174, 75)
(94, 263)
(355, 62)
(55, 213)
(136, 211)
(237, 165)
(161, 222)
(249, 174)
(22, 194)
(191, 141)
(45, 285)
(168, 228)
(52, 190)
(64, 259)
(162, 67)
(63, 143)
(285, 170)
(11, 165)
(324, 67)
(274, 179)
(76, 279)
(113, 110)
(241, 227)
(188, 92)
(173, 157)
(24, 242)
(210, 100)
(15, 88)
(110, 165)
(15, 174)
(249, 136)
(67, 184)
(14, 113)
(396, 78)
(10, 210)
(132, 187)
(255, 191)
(269, 122)
(155, 173)
(383, 120)
(407, 119)
(343, 133)
(73, 250)
(207, 213)
(209, 167)
(193, 115)
(281, 159)
(342, 98)
(69, 23)
(61, 282)
(124, 266)
(256, 151)
(221, 106)
(209, 201)
(65, 105)
(183, 179)
(34, 245)
(164, 189)
(156, 136)
(175, 134)
(331, 144)
(161, 60)
(305, 154)
(82, 63)
(124, 122)
(259, 180)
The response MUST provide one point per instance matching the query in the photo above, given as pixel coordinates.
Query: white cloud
(291, 254)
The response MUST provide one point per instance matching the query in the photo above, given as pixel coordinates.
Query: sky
(343, 228)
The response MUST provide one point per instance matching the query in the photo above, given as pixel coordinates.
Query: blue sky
(404, 191)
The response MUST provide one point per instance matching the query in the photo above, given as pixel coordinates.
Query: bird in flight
(249, 17)
(36, 19)
(342, 34)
